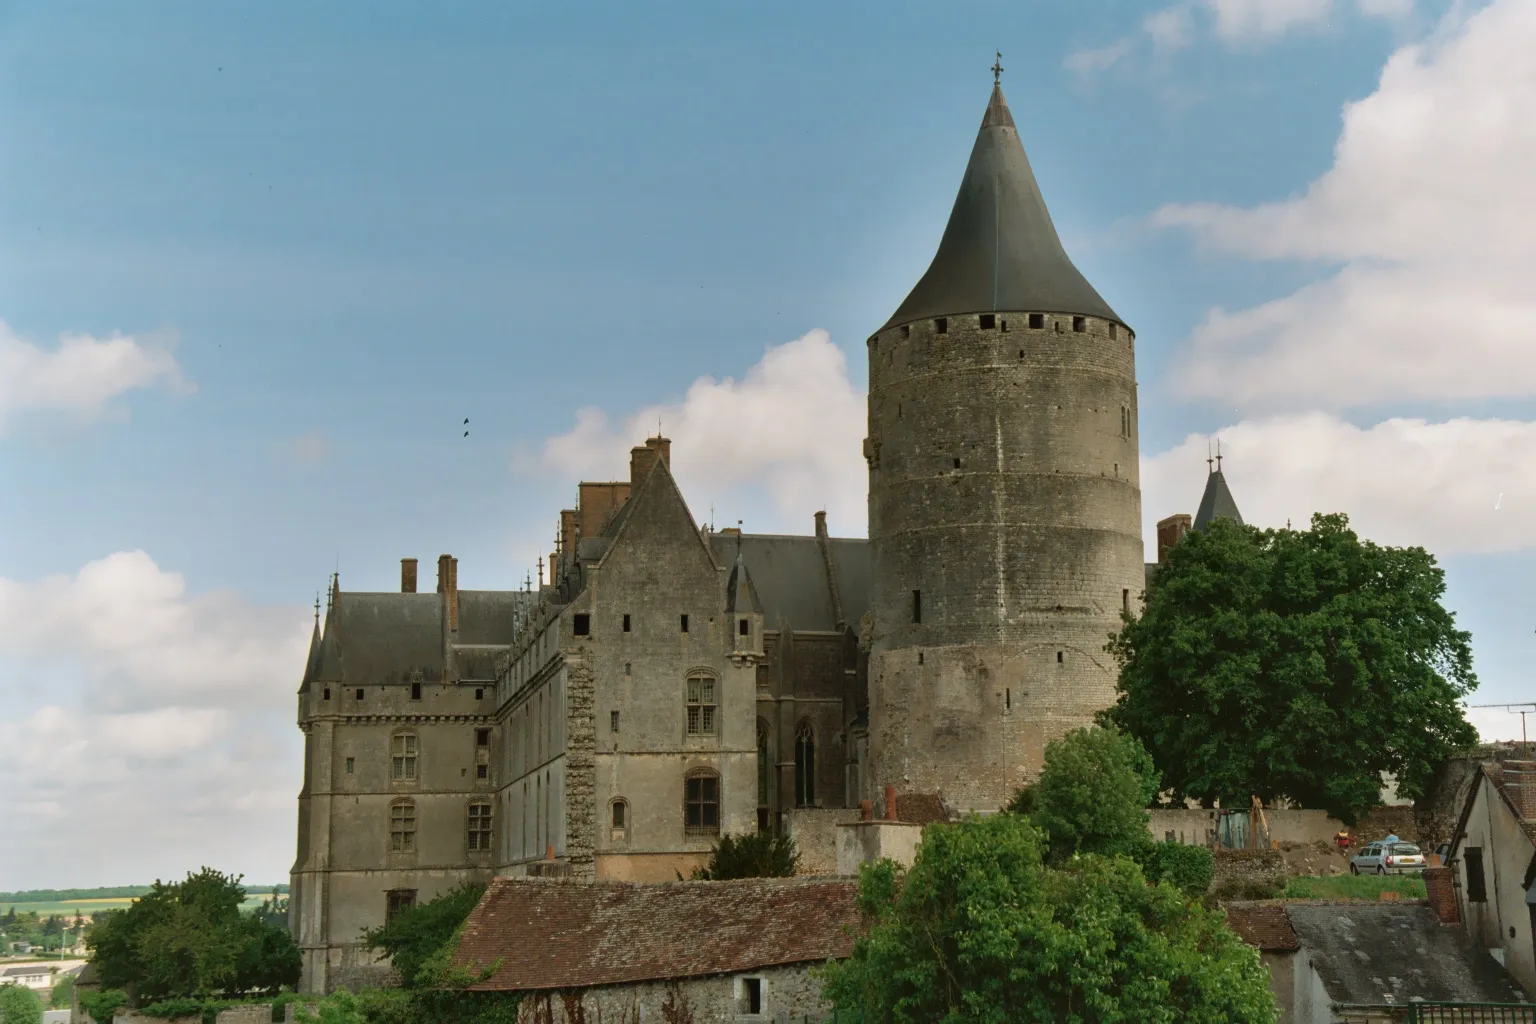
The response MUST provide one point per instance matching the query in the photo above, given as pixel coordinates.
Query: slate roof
(790, 579)
(1263, 924)
(1396, 952)
(377, 638)
(1216, 502)
(551, 934)
(1000, 250)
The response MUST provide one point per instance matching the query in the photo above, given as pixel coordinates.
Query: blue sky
(259, 262)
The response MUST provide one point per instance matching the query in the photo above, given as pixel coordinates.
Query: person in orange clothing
(1341, 840)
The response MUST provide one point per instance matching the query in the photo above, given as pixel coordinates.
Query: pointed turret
(741, 595)
(1217, 502)
(1000, 250)
(328, 666)
(312, 663)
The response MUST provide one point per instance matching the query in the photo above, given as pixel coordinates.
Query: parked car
(1387, 859)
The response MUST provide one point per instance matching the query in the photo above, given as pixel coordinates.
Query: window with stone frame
(402, 749)
(396, 900)
(805, 765)
(701, 704)
(618, 819)
(402, 826)
(701, 802)
(480, 827)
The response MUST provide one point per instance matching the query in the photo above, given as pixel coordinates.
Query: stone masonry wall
(581, 743)
(1003, 488)
(789, 994)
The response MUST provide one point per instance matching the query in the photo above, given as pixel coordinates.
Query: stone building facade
(666, 684)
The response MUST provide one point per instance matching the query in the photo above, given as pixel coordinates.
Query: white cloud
(789, 431)
(1249, 19)
(1430, 207)
(1457, 486)
(133, 709)
(81, 376)
(1085, 62)
(1170, 28)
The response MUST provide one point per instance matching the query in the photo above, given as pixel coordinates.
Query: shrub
(752, 855)
(1186, 868)
(19, 1005)
(103, 1005)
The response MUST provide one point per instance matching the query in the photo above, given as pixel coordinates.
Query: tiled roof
(550, 934)
(920, 808)
(1263, 924)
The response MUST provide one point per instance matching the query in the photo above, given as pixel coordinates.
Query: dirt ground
(1314, 859)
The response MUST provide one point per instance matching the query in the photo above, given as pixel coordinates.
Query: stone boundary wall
(1248, 868)
(814, 830)
(250, 1013)
(1199, 827)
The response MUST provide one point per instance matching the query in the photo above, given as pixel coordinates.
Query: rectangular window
(1113, 330)
(626, 668)
(482, 771)
(359, 693)
(480, 827)
(351, 763)
(917, 606)
(1125, 601)
(988, 321)
(479, 693)
(746, 627)
(685, 623)
(327, 694)
(583, 624)
(754, 994)
(1037, 320)
(403, 757)
(701, 804)
(1477, 887)
(482, 737)
(613, 721)
(941, 326)
(397, 900)
(1079, 324)
(701, 706)
(626, 623)
(1061, 657)
(402, 827)
(415, 691)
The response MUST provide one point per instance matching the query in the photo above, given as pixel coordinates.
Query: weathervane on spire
(1218, 455)
(997, 69)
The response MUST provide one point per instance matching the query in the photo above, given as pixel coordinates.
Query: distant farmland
(95, 901)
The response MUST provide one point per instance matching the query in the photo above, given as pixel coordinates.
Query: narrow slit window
(415, 691)
(745, 627)
(1114, 330)
(988, 321)
(685, 623)
(941, 325)
(327, 695)
(351, 765)
(1079, 324)
(1477, 885)
(1002, 325)
(1037, 320)
(917, 606)
(626, 623)
(613, 721)
(1125, 600)
(1061, 657)
(583, 625)
(619, 817)
(1008, 699)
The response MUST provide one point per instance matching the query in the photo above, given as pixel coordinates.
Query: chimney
(866, 812)
(407, 575)
(549, 852)
(641, 458)
(890, 803)
(448, 586)
(1169, 532)
(1520, 786)
(821, 526)
(1440, 887)
(569, 534)
(663, 446)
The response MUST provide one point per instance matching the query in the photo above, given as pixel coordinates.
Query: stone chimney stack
(407, 575)
(1520, 785)
(662, 446)
(1440, 887)
(821, 525)
(1169, 532)
(448, 586)
(890, 804)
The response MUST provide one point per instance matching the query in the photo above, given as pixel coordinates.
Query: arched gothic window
(805, 765)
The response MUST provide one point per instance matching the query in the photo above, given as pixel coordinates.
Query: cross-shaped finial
(997, 70)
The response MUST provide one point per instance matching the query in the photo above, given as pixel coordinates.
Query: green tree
(980, 929)
(189, 939)
(1302, 664)
(750, 855)
(19, 1006)
(413, 935)
(1093, 792)
(62, 996)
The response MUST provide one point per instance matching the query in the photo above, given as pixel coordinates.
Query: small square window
(359, 693)
(351, 764)
(482, 737)
(583, 624)
(482, 771)
(415, 691)
(906, 330)
(626, 623)
(1037, 320)
(479, 693)
(988, 321)
(626, 668)
(613, 721)
(941, 325)
(1079, 324)
(685, 623)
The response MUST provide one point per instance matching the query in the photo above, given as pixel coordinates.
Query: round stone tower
(1004, 504)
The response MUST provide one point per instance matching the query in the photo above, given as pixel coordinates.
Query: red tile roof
(1263, 924)
(549, 933)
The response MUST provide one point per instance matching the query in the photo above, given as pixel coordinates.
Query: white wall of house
(1501, 919)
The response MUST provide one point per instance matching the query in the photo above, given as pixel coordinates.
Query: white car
(1387, 859)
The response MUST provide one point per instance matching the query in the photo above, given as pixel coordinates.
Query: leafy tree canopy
(1093, 792)
(1302, 664)
(750, 855)
(189, 939)
(981, 929)
(414, 935)
(19, 1005)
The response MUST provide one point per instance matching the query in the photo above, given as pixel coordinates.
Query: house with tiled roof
(1357, 960)
(702, 951)
(1493, 862)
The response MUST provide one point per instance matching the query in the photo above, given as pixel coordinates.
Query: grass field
(1354, 887)
(98, 906)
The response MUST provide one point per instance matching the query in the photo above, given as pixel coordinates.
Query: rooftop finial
(317, 607)
(1218, 455)
(997, 69)
(1210, 463)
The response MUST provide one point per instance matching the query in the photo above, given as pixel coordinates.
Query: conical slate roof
(1000, 250)
(741, 595)
(312, 665)
(1216, 502)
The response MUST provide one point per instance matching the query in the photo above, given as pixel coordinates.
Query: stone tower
(1004, 504)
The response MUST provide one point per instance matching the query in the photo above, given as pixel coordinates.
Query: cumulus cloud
(1457, 486)
(1084, 62)
(81, 376)
(788, 431)
(1494, 724)
(160, 717)
(1428, 209)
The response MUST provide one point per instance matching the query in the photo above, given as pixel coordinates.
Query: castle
(669, 684)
